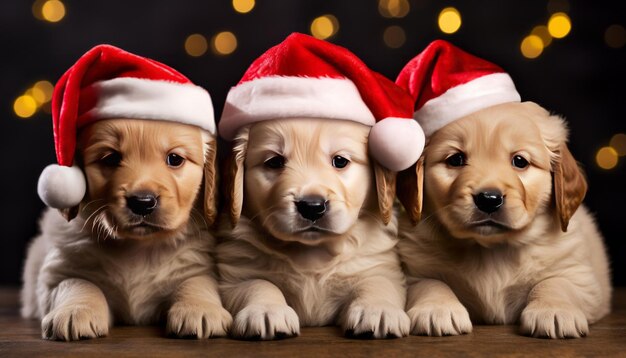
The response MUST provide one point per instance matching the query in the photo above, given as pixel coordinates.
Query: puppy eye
(112, 159)
(519, 162)
(340, 162)
(456, 160)
(174, 160)
(275, 162)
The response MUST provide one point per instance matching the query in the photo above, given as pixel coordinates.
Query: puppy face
(143, 176)
(487, 176)
(306, 180)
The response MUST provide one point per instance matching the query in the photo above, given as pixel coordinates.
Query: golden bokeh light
(324, 26)
(53, 11)
(449, 20)
(243, 6)
(394, 8)
(542, 32)
(606, 158)
(224, 43)
(25, 106)
(394, 36)
(532, 46)
(37, 95)
(196, 45)
(615, 36)
(618, 143)
(36, 8)
(559, 25)
(44, 87)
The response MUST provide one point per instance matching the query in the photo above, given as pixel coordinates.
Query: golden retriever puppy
(314, 244)
(139, 249)
(502, 238)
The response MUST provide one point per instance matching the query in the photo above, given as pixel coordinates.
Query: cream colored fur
(98, 269)
(349, 274)
(552, 283)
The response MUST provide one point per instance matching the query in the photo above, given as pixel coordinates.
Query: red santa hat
(304, 77)
(107, 82)
(448, 83)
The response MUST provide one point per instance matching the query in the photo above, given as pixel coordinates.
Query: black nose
(489, 201)
(312, 207)
(142, 203)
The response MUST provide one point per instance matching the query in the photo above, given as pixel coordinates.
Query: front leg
(261, 311)
(78, 310)
(197, 310)
(435, 310)
(376, 311)
(553, 311)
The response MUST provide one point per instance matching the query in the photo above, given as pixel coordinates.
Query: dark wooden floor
(19, 337)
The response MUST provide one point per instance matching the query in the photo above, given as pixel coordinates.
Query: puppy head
(488, 175)
(143, 177)
(307, 180)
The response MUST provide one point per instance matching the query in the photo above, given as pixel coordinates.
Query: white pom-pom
(61, 187)
(396, 143)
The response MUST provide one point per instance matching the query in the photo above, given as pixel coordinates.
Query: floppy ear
(234, 176)
(570, 186)
(385, 188)
(210, 183)
(69, 213)
(410, 190)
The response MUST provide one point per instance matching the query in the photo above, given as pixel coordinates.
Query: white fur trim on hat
(126, 97)
(396, 143)
(462, 100)
(292, 97)
(61, 187)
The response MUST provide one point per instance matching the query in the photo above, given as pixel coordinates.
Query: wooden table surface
(19, 337)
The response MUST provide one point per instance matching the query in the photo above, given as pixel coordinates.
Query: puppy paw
(441, 319)
(266, 322)
(76, 322)
(543, 320)
(198, 321)
(375, 320)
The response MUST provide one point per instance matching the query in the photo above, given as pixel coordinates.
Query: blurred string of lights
(326, 26)
(196, 45)
(608, 157)
(243, 6)
(37, 97)
(394, 36)
(558, 26)
(222, 43)
(449, 20)
(49, 10)
(394, 8)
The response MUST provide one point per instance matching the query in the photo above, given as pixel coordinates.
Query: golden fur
(109, 264)
(276, 271)
(539, 260)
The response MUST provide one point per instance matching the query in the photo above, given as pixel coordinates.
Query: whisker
(272, 222)
(91, 202)
(92, 214)
(432, 215)
(263, 211)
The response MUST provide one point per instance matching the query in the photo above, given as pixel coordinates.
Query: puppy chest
(316, 300)
(141, 292)
(493, 297)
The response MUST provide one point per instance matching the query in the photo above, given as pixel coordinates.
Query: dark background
(579, 76)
